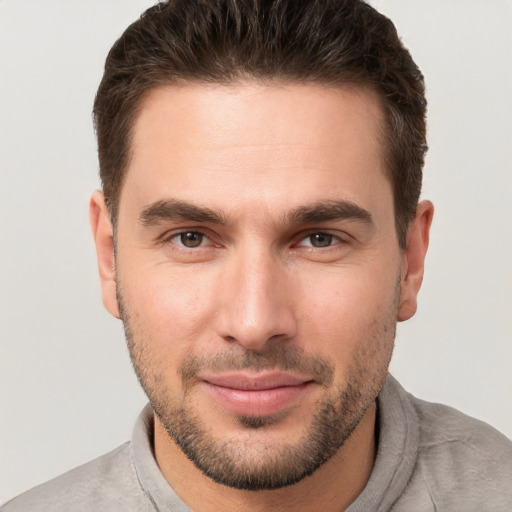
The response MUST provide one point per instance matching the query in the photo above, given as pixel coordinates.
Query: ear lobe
(414, 259)
(103, 234)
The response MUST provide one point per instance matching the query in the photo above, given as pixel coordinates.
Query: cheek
(347, 313)
(167, 309)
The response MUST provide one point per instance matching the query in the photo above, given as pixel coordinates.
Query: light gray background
(67, 393)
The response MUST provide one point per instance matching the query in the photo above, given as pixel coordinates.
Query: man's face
(258, 272)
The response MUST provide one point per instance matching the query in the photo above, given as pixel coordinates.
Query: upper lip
(255, 381)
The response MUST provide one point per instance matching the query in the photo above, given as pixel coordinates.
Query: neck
(332, 487)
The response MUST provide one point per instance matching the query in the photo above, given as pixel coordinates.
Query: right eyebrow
(173, 209)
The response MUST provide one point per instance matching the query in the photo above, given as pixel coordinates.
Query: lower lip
(262, 402)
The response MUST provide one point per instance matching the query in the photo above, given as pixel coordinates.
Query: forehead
(274, 144)
(247, 114)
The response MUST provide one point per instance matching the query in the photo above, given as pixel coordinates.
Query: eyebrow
(328, 211)
(173, 209)
(323, 211)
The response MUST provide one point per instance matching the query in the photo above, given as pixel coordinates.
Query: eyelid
(341, 238)
(211, 238)
(168, 237)
(178, 237)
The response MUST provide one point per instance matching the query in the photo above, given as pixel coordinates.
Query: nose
(256, 301)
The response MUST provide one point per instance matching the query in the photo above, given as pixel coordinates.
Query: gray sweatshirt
(430, 458)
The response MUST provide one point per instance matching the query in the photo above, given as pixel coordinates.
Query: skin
(254, 155)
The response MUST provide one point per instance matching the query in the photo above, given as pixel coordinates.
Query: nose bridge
(256, 307)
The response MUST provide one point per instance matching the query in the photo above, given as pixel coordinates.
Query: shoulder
(460, 435)
(461, 458)
(106, 483)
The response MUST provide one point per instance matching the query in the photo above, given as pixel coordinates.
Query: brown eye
(320, 239)
(190, 239)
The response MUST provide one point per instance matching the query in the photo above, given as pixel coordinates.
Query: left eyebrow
(328, 211)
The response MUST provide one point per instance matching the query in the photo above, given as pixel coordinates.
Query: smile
(256, 394)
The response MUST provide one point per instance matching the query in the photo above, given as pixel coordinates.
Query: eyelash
(334, 240)
(172, 236)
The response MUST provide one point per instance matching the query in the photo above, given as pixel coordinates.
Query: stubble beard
(272, 465)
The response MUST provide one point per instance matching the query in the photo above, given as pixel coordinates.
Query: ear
(414, 259)
(103, 234)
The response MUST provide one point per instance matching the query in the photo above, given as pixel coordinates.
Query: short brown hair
(332, 42)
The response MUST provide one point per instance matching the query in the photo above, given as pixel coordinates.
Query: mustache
(274, 357)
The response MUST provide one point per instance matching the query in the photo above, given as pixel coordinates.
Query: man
(259, 234)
